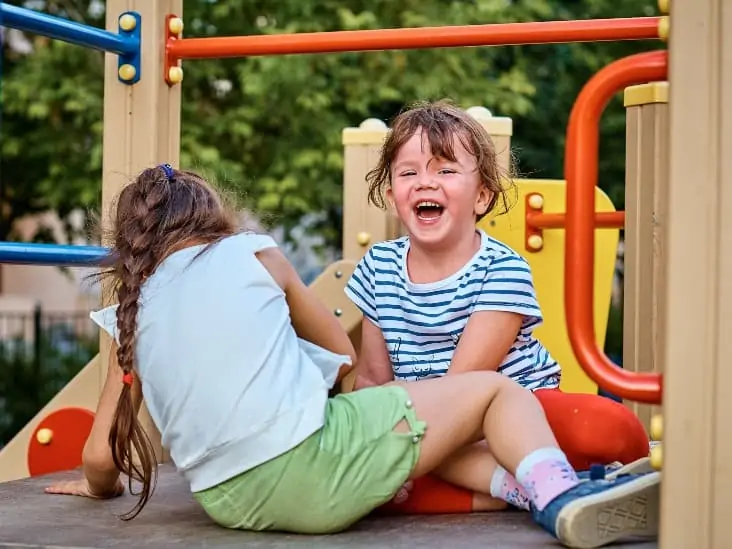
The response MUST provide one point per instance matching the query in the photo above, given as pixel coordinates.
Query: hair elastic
(168, 170)
(127, 378)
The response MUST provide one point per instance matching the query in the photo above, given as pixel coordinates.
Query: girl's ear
(483, 200)
(389, 197)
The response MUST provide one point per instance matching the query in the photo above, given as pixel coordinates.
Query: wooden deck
(29, 518)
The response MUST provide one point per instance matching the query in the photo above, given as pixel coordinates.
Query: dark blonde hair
(161, 210)
(442, 123)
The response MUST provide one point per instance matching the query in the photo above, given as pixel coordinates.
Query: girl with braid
(236, 356)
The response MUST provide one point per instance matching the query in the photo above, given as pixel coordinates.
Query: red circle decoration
(70, 427)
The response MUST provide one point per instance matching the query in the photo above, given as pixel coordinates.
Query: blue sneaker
(598, 512)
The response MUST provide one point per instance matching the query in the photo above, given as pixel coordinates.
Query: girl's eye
(406, 173)
(446, 171)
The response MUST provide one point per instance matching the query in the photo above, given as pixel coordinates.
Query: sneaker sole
(628, 510)
(638, 467)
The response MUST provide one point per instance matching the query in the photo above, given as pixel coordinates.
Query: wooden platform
(29, 518)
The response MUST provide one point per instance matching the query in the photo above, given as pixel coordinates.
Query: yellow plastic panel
(547, 267)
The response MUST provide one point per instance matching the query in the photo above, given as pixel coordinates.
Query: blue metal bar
(67, 30)
(25, 253)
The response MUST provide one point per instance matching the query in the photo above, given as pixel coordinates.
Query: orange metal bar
(603, 220)
(581, 175)
(592, 30)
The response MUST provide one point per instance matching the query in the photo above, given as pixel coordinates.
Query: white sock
(505, 487)
(545, 474)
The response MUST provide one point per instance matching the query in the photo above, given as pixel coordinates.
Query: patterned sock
(545, 474)
(505, 487)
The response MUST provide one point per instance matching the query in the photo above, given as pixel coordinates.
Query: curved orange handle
(581, 175)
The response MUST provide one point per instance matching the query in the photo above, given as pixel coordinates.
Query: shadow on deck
(172, 519)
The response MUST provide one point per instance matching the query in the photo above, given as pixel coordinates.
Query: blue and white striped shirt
(422, 323)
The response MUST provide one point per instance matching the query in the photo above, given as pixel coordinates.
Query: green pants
(354, 464)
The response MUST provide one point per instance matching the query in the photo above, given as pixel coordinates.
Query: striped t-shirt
(422, 323)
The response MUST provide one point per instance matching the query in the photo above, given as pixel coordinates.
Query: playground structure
(677, 221)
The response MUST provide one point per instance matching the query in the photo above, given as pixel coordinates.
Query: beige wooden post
(500, 128)
(646, 182)
(141, 126)
(364, 224)
(697, 327)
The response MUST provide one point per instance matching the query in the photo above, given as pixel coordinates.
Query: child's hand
(362, 382)
(402, 494)
(81, 488)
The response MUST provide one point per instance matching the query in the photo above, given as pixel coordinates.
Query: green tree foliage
(269, 127)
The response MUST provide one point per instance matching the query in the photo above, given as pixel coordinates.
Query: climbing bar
(581, 172)
(24, 253)
(65, 30)
(126, 44)
(603, 220)
(503, 34)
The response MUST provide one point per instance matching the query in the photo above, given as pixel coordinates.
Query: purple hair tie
(168, 170)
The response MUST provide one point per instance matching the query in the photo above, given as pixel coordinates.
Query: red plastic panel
(69, 429)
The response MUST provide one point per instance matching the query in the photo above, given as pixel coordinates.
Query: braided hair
(160, 211)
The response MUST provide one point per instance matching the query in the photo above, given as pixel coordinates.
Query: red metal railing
(602, 220)
(503, 34)
(581, 175)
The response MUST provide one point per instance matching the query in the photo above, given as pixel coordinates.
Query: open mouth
(428, 210)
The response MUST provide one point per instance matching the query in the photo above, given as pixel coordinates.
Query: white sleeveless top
(226, 380)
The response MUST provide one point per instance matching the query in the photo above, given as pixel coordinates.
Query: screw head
(657, 427)
(127, 72)
(127, 22)
(175, 25)
(44, 436)
(536, 201)
(535, 242)
(175, 75)
(363, 238)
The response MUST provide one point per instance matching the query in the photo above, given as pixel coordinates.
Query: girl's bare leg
(473, 467)
(483, 503)
(464, 409)
(470, 467)
(475, 406)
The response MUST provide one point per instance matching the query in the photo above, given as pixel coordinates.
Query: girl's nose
(427, 182)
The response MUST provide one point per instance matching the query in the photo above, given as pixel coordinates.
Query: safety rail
(581, 173)
(66, 30)
(126, 44)
(497, 34)
(60, 255)
(602, 220)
